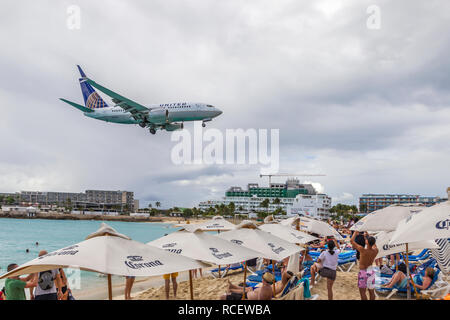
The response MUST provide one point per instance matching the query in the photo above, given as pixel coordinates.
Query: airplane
(165, 116)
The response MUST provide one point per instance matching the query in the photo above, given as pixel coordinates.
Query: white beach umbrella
(248, 235)
(312, 225)
(217, 223)
(106, 251)
(385, 219)
(385, 248)
(430, 224)
(287, 233)
(202, 246)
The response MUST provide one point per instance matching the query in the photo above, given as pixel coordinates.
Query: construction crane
(290, 175)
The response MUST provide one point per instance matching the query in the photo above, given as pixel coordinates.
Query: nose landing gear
(152, 131)
(203, 124)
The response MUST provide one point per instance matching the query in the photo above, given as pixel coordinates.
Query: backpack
(46, 280)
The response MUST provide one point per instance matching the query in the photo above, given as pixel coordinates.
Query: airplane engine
(174, 126)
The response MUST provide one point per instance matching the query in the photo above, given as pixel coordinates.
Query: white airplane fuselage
(159, 113)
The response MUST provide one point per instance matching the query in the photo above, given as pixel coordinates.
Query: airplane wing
(138, 111)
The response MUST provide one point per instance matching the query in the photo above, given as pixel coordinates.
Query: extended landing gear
(152, 131)
(203, 124)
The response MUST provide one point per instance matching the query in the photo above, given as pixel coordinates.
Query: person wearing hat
(262, 293)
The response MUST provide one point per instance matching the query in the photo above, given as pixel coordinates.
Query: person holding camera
(366, 275)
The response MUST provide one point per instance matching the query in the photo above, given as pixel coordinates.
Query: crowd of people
(53, 284)
(45, 285)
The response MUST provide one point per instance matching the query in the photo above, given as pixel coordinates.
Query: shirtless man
(366, 275)
(279, 285)
(262, 293)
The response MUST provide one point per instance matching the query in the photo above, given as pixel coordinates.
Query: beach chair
(402, 289)
(224, 270)
(439, 289)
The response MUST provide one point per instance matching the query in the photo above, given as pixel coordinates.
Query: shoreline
(66, 216)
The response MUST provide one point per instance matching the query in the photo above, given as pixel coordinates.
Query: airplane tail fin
(92, 99)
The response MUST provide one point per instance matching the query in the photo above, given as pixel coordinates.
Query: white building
(315, 206)
(292, 193)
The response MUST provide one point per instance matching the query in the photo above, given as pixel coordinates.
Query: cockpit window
(208, 105)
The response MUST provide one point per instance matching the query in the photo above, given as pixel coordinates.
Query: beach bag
(46, 280)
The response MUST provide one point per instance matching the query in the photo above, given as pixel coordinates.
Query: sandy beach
(209, 288)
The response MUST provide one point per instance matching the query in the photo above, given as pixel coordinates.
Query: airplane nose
(218, 112)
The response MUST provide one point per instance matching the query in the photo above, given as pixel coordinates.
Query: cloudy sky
(370, 108)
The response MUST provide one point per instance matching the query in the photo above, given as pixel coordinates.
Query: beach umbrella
(386, 219)
(217, 223)
(430, 224)
(196, 244)
(286, 233)
(248, 235)
(109, 252)
(203, 246)
(383, 239)
(312, 225)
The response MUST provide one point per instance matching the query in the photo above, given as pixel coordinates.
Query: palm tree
(265, 204)
(277, 201)
(158, 204)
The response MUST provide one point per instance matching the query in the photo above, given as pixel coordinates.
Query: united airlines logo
(274, 249)
(94, 101)
(137, 262)
(215, 253)
(444, 224)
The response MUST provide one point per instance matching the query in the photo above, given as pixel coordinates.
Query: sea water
(18, 235)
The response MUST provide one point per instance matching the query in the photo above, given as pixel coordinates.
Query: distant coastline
(64, 216)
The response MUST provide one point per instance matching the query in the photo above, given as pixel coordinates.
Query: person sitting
(262, 293)
(306, 260)
(426, 280)
(279, 285)
(398, 278)
(319, 243)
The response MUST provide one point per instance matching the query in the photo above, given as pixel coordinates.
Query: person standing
(366, 275)
(329, 261)
(128, 286)
(167, 278)
(15, 286)
(48, 284)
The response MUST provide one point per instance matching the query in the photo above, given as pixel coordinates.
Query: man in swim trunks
(366, 275)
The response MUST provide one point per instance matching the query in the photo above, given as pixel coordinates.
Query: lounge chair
(224, 270)
(402, 288)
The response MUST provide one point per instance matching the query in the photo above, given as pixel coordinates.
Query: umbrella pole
(408, 286)
(245, 280)
(273, 271)
(109, 287)
(191, 287)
